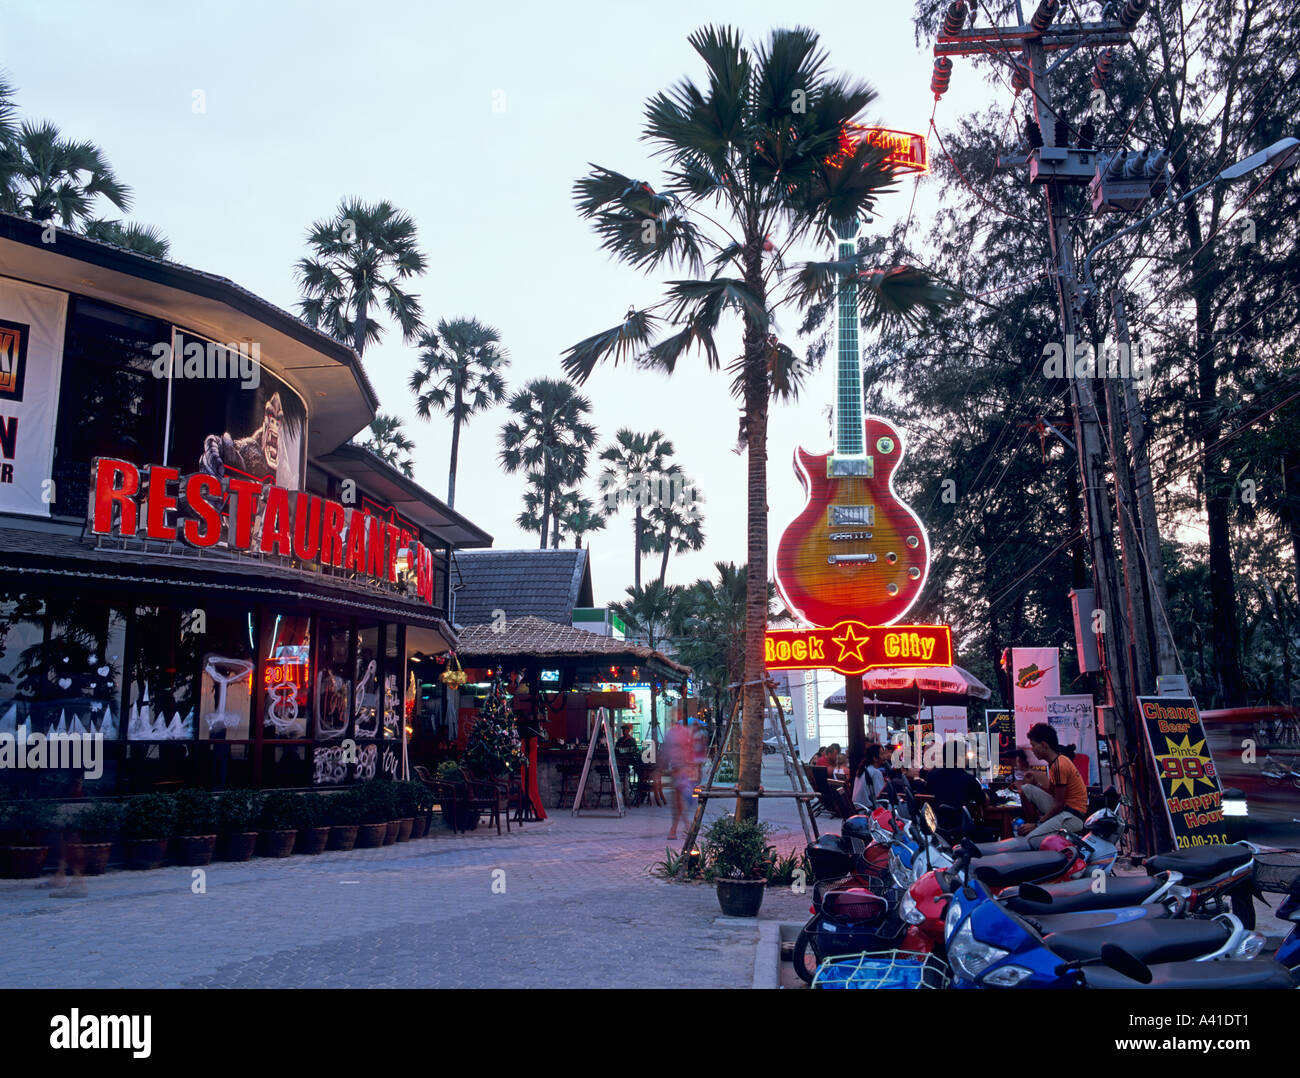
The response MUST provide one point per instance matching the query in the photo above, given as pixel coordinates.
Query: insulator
(1046, 12)
(1087, 135)
(1133, 10)
(1100, 73)
(941, 77)
(1133, 165)
(1061, 131)
(955, 17)
(1115, 165)
(1157, 161)
(1034, 134)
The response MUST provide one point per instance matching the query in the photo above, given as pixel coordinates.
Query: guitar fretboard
(848, 377)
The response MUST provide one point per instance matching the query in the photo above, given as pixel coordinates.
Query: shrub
(406, 798)
(26, 822)
(196, 813)
(738, 850)
(309, 811)
(279, 811)
(425, 799)
(343, 809)
(449, 771)
(99, 821)
(376, 801)
(237, 811)
(149, 816)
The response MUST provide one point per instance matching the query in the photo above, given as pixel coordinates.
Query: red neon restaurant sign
(850, 647)
(904, 151)
(289, 523)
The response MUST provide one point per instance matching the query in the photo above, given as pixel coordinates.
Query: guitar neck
(848, 374)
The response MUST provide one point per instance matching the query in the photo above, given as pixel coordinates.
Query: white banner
(1075, 723)
(1035, 675)
(31, 358)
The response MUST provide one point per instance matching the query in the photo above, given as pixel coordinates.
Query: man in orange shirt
(1064, 803)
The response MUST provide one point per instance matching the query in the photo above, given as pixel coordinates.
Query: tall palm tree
(564, 504)
(582, 520)
(459, 374)
(8, 110)
(677, 526)
(637, 463)
(359, 259)
(46, 176)
(756, 162)
(389, 442)
(548, 437)
(648, 611)
(146, 239)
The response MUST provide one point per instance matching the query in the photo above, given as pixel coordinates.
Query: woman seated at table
(835, 762)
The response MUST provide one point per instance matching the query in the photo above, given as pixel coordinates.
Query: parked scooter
(851, 915)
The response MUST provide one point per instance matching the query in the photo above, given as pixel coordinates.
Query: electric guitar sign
(1189, 783)
(852, 648)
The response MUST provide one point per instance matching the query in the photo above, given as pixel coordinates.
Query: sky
(238, 124)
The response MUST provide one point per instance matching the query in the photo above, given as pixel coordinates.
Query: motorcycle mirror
(1034, 893)
(1118, 959)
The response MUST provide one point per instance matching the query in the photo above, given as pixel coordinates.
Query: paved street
(580, 909)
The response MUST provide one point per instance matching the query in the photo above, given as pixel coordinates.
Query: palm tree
(638, 464)
(389, 442)
(460, 375)
(359, 258)
(146, 239)
(583, 519)
(48, 177)
(549, 438)
(648, 611)
(756, 161)
(677, 526)
(564, 505)
(8, 113)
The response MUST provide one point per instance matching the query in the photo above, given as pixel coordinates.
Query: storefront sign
(850, 647)
(1189, 782)
(1035, 675)
(31, 359)
(1002, 734)
(1074, 720)
(904, 150)
(246, 515)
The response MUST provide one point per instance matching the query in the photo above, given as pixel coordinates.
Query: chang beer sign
(1189, 782)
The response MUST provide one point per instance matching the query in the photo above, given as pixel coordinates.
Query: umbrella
(918, 685)
(871, 707)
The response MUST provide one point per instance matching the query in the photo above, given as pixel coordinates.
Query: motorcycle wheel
(1243, 907)
(803, 952)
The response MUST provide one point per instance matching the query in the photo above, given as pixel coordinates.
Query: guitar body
(855, 551)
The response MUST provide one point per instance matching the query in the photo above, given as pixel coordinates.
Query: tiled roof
(545, 639)
(545, 584)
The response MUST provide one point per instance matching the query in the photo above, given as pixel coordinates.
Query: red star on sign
(850, 644)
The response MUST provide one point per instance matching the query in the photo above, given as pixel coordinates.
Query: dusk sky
(476, 119)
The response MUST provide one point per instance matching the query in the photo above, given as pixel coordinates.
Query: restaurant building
(195, 563)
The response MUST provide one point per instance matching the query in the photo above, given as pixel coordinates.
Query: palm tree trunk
(663, 563)
(756, 402)
(546, 514)
(455, 450)
(359, 329)
(637, 563)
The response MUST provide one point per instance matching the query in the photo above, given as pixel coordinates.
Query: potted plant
(24, 838)
(343, 810)
(237, 813)
(279, 831)
(386, 793)
(88, 837)
(405, 801)
(454, 804)
(309, 818)
(374, 815)
(196, 827)
(148, 821)
(425, 800)
(737, 855)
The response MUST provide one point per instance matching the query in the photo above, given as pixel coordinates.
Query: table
(1000, 817)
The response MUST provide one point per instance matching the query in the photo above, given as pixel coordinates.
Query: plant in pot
(24, 838)
(454, 805)
(343, 810)
(237, 814)
(425, 800)
(374, 814)
(405, 801)
(88, 837)
(148, 821)
(277, 824)
(738, 857)
(386, 793)
(196, 827)
(313, 829)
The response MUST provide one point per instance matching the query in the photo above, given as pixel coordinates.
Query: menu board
(1001, 725)
(1189, 781)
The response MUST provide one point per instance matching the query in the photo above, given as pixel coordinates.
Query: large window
(286, 677)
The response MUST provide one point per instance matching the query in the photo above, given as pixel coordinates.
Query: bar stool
(569, 775)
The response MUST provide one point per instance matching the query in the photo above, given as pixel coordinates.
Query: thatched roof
(530, 637)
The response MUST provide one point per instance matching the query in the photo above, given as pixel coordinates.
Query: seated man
(954, 789)
(1064, 803)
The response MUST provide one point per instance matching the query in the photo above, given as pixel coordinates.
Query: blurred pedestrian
(682, 760)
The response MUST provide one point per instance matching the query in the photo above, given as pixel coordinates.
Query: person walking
(682, 758)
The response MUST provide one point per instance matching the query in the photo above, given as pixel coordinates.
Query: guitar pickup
(842, 536)
(849, 515)
(861, 466)
(836, 559)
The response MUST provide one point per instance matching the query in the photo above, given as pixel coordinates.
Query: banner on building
(1075, 722)
(1189, 781)
(1001, 727)
(1035, 675)
(31, 360)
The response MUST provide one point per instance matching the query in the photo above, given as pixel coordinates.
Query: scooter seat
(1009, 868)
(1074, 895)
(1088, 919)
(1200, 862)
(1151, 941)
(1007, 845)
(1206, 975)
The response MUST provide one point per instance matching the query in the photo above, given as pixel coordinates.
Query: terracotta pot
(390, 834)
(420, 825)
(22, 862)
(343, 836)
(145, 853)
(312, 840)
(87, 858)
(740, 898)
(239, 846)
(370, 835)
(277, 843)
(404, 828)
(194, 850)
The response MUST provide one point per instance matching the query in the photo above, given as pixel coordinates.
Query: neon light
(904, 150)
(852, 647)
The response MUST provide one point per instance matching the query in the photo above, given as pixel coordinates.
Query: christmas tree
(493, 743)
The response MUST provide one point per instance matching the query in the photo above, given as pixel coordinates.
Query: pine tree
(493, 744)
